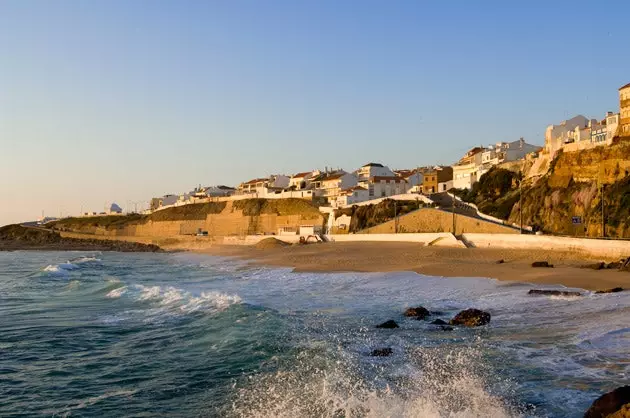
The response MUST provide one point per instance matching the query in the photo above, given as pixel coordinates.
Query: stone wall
(435, 220)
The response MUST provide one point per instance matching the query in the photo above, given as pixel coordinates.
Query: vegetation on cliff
(367, 216)
(280, 207)
(570, 188)
(18, 237)
(495, 193)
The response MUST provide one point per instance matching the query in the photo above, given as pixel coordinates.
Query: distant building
(302, 181)
(351, 196)
(434, 177)
(330, 185)
(373, 170)
(384, 186)
(114, 209)
(262, 186)
(466, 172)
(624, 110)
(557, 135)
(414, 179)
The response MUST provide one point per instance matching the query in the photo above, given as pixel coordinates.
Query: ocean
(143, 334)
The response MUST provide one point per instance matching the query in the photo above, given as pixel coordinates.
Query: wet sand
(434, 261)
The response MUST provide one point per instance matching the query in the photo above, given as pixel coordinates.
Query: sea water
(108, 334)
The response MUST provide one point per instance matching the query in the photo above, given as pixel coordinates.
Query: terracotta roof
(405, 173)
(302, 175)
(334, 176)
(624, 87)
(352, 189)
(254, 181)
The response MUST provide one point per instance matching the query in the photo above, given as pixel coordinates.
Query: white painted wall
(437, 239)
(606, 249)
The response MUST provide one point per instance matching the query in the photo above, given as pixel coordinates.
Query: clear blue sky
(105, 101)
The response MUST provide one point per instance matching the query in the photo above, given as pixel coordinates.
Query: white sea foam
(172, 300)
(60, 269)
(82, 260)
(433, 383)
(116, 293)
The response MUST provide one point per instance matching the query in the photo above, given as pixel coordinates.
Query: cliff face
(575, 185)
(241, 217)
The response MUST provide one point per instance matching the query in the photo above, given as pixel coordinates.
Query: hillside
(571, 188)
(247, 216)
(17, 237)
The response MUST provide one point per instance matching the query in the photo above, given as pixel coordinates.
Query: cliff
(574, 186)
(240, 217)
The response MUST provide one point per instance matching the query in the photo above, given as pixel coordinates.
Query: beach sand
(434, 261)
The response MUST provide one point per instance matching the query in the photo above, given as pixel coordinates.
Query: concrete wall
(606, 249)
(435, 220)
(435, 239)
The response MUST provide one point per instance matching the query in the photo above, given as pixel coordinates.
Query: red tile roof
(302, 175)
(254, 181)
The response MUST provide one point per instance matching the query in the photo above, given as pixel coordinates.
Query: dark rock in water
(446, 328)
(613, 290)
(542, 264)
(439, 322)
(471, 318)
(419, 312)
(382, 352)
(388, 324)
(501, 261)
(596, 266)
(549, 292)
(609, 403)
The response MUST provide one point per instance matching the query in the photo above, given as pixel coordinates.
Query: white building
(557, 135)
(351, 196)
(330, 185)
(302, 181)
(262, 186)
(384, 186)
(612, 126)
(373, 170)
(466, 171)
(414, 179)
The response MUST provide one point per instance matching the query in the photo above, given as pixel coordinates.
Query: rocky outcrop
(551, 292)
(471, 318)
(382, 352)
(611, 404)
(388, 324)
(542, 264)
(613, 290)
(17, 237)
(419, 312)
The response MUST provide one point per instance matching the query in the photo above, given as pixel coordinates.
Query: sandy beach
(434, 261)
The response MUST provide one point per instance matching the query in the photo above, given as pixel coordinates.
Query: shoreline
(386, 257)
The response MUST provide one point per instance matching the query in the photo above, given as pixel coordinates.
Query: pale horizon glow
(112, 101)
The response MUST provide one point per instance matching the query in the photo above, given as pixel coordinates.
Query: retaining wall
(436, 239)
(605, 249)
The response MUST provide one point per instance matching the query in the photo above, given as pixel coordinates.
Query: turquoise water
(107, 334)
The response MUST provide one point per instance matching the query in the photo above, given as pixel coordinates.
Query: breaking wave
(430, 383)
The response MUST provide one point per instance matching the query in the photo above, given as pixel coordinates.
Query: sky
(121, 101)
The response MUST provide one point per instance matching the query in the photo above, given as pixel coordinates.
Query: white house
(330, 185)
(612, 126)
(351, 196)
(301, 181)
(384, 186)
(557, 135)
(414, 179)
(373, 170)
(466, 171)
(261, 186)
